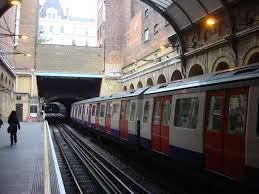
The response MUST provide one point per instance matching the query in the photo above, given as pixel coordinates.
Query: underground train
(209, 120)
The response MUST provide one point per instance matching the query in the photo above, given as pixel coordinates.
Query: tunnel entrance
(59, 93)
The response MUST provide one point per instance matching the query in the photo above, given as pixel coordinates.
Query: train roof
(242, 73)
(129, 93)
(125, 94)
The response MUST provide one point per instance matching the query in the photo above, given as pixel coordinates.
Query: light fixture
(27, 54)
(15, 2)
(194, 45)
(21, 36)
(211, 21)
(162, 47)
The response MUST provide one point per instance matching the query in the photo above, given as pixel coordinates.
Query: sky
(79, 8)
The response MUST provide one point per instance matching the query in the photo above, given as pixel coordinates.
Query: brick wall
(72, 59)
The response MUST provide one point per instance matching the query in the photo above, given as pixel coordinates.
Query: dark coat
(14, 123)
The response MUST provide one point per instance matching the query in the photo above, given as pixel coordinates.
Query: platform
(30, 165)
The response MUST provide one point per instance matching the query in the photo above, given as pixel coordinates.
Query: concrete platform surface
(22, 165)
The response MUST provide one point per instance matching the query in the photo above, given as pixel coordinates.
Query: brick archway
(131, 87)
(195, 70)
(252, 56)
(222, 66)
(149, 82)
(125, 88)
(176, 75)
(140, 85)
(161, 79)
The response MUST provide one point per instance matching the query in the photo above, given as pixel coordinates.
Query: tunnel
(58, 92)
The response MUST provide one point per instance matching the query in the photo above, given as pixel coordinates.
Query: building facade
(7, 74)
(231, 42)
(57, 26)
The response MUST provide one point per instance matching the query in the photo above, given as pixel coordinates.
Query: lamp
(210, 22)
(21, 36)
(15, 2)
(194, 45)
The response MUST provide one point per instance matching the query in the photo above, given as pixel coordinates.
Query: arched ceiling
(4, 6)
(183, 14)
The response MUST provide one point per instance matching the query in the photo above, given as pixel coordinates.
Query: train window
(133, 110)
(102, 110)
(108, 110)
(80, 110)
(97, 110)
(156, 115)
(166, 112)
(237, 113)
(215, 106)
(115, 111)
(93, 110)
(86, 109)
(83, 109)
(186, 112)
(124, 110)
(146, 112)
(257, 129)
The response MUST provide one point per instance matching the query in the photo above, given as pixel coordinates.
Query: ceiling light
(15, 2)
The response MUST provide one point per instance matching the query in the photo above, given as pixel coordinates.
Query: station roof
(185, 13)
(4, 6)
(182, 13)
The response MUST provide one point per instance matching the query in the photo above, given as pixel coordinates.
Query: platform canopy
(4, 6)
(182, 14)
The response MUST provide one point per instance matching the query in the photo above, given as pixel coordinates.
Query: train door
(125, 105)
(97, 116)
(160, 124)
(214, 131)
(234, 137)
(225, 132)
(89, 115)
(107, 128)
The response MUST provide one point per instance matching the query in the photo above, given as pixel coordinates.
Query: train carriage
(123, 113)
(209, 120)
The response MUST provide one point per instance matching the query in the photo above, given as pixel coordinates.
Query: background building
(57, 26)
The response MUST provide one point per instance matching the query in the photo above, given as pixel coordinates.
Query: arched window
(149, 82)
(140, 85)
(161, 79)
(222, 66)
(2, 77)
(6, 80)
(195, 70)
(125, 88)
(254, 58)
(131, 86)
(176, 75)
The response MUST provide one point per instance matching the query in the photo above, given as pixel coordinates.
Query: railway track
(90, 171)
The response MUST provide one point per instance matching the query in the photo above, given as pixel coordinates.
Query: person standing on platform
(13, 124)
(1, 122)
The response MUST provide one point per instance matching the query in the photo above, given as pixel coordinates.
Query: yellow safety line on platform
(46, 163)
